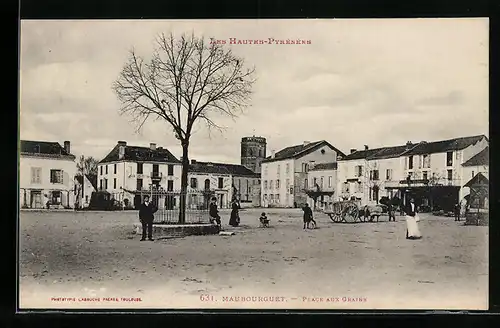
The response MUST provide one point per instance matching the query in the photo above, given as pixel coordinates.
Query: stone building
(253, 152)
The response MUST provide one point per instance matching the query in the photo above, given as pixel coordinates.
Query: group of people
(147, 210)
(234, 219)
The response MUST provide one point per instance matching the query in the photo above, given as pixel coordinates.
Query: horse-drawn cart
(349, 211)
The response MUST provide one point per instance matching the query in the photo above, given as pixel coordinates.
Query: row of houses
(434, 173)
(48, 177)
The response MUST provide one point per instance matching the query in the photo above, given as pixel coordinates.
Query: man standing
(390, 211)
(146, 216)
(457, 212)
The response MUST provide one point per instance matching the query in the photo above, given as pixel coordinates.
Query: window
(410, 162)
(271, 184)
(170, 185)
(100, 168)
(139, 184)
(170, 169)
(265, 197)
(156, 170)
(330, 182)
(288, 183)
(374, 175)
(424, 175)
(86, 198)
(36, 175)
(100, 184)
(139, 168)
(314, 182)
(287, 168)
(321, 182)
(265, 184)
(305, 167)
(359, 170)
(56, 176)
(277, 184)
(221, 183)
(472, 174)
(194, 183)
(426, 159)
(278, 169)
(114, 168)
(114, 182)
(388, 174)
(106, 184)
(357, 187)
(207, 184)
(450, 175)
(449, 158)
(305, 184)
(277, 197)
(106, 169)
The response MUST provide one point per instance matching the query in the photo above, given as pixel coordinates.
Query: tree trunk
(184, 183)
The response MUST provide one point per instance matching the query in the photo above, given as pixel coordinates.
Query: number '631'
(206, 298)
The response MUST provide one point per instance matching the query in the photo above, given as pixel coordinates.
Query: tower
(253, 151)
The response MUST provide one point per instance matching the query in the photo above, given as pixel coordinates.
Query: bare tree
(87, 166)
(186, 80)
(371, 177)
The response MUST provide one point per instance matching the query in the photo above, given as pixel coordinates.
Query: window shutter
(64, 178)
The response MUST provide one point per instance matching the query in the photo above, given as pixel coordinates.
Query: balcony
(156, 176)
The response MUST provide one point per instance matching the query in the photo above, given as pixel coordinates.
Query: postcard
(254, 164)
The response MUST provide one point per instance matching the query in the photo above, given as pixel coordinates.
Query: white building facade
(430, 171)
(478, 163)
(46, 175)
(285, 180)
(130, 172)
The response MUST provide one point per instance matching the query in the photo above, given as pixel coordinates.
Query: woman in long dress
(412, 231)
(235, 218)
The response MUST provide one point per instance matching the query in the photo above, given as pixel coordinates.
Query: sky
(359, 82)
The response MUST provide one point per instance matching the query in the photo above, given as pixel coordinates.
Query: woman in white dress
(412, 231)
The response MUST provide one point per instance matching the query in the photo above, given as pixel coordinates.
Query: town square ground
(93, 260)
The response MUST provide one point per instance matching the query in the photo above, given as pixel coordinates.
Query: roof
(91, 178)
(478, 179)
(324, 166)
(298, 151)
(445, 145)
(221, 168)
(481, 158)
(415, 149)
(44, 149)
(141, 154)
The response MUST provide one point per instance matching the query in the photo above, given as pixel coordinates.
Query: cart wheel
(351, 213)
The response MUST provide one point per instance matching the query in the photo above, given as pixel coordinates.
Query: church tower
(253, 151)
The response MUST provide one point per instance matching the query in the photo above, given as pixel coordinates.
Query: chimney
(193, 161)
(152, 146)
(67, 147)
(160, 148)
(408, 145)
(121, 149)
(366, 147)
(306, 143)
(353, 150)
(339, 158)
(273, 153)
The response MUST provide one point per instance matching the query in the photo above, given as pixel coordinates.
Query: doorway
(36, 199)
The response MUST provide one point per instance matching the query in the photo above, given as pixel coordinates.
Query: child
(214, 212)
(264, 221)
(308, 216)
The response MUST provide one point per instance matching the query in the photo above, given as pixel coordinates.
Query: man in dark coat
(146, 216)
(457, 212)
(390, 211)
(308, 216)
(214, 212)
